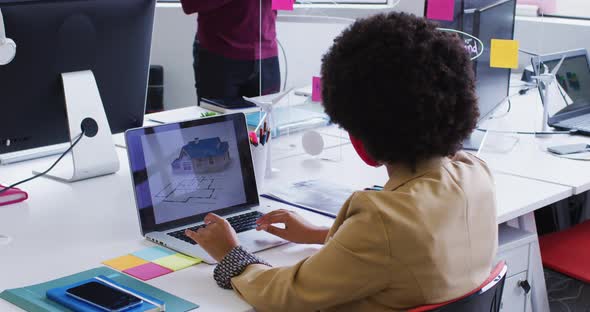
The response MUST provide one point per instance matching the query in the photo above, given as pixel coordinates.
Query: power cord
(508, 99)
(48, 169)
(286, 65)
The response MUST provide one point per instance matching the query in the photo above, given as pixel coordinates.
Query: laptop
(183, 171)
(570, 99)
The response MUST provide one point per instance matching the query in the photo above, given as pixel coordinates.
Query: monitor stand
(475, 141)
(95, 154)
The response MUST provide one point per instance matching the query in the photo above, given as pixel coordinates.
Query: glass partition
(234, 41)
(305, 30)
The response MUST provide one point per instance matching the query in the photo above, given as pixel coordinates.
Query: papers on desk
(319, 196)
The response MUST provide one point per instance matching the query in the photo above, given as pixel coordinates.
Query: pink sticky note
(316, 89)
(285, 5)
(442, 10)
(147, 271)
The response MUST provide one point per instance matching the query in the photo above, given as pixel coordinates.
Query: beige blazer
(429, 237)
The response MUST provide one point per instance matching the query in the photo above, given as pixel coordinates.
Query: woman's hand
(296, 230)
(218, 238)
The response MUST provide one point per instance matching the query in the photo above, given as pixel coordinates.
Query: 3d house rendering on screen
(202, 156)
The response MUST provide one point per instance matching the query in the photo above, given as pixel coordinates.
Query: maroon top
(231, 28)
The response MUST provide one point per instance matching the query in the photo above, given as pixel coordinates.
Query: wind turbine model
(266, 104)
(545, 80)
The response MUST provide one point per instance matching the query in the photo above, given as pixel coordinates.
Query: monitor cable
(508, 99)
(80, 136)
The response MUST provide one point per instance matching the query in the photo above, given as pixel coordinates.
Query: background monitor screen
(573, 76)
(486, 20)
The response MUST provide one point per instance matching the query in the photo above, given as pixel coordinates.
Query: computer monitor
(112, 38)
(495, 21)
(486, 20)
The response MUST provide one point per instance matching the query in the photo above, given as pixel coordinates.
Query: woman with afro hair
(430, 235)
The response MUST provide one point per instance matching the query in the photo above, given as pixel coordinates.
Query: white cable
(286, 65)
(468, 35)
(2, 30)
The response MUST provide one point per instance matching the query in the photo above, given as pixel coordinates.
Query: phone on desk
(104, 297)
(569, 149)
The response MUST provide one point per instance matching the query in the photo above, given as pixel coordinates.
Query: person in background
(235, 49)
(431, 234)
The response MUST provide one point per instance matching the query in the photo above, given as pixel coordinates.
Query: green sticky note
(504, 53)
(177, 262)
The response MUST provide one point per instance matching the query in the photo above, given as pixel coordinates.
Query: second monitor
(112, 38)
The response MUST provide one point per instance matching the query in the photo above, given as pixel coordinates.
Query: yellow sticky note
(177, 262)
(125, 262)
(504, 53)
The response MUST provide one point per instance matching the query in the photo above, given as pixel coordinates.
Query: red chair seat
(497, 276)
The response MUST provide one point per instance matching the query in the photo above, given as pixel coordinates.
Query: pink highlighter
(253, 138)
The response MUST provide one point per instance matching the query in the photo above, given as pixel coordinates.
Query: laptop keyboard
(240, 223)
(577, 123)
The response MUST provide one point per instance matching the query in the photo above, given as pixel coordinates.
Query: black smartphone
(104, 297)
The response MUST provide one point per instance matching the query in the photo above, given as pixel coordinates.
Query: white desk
(529, 157)
(515, 196)
(66, 228)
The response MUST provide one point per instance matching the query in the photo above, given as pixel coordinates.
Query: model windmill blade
(266, 102)
(556, 69)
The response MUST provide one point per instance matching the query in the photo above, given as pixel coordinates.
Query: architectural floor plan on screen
(198, 171)
(192, 188)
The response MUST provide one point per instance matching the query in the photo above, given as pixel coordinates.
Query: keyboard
(240, 223)
(578, 123)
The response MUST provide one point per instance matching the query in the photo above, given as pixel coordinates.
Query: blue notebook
(33, 298)
(60, 296)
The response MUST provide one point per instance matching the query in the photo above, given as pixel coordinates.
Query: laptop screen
(182, 171)
(573, 76)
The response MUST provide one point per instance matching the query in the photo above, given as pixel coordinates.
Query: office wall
(172, 47)
(306, 40)
(546, 35)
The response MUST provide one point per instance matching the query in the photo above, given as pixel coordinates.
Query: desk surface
(529, 157)
(66, 228)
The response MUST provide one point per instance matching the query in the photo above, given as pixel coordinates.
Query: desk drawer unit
(514, 247)
(513, 298)
(517, 260)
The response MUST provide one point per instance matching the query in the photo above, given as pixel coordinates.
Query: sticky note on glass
(316, 89)
(147, 271)
(153, 253)
(125, 262)
(177, 262)
(504, 53)
(284, 5)
(441, 10)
